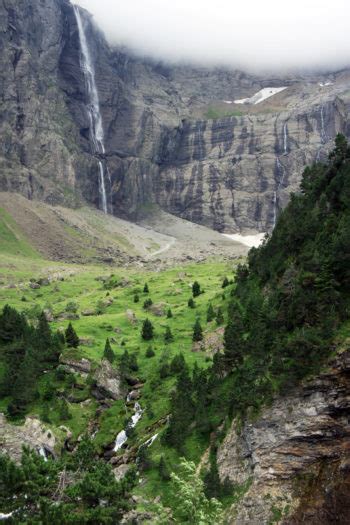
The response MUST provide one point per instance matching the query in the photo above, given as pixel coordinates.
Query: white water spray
(93, 107)
(323, 131)
(122, 436)
(285, 139)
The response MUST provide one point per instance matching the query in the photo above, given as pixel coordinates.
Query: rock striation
(294, 458)
(172, 134)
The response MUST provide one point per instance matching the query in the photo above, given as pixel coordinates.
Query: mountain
(171, 135)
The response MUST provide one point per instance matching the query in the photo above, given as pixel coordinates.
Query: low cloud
(252, 35)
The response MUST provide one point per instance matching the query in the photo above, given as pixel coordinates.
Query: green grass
(84, 286)
(12, 241)
(213, 113)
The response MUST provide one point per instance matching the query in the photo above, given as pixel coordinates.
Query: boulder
(88, 312)
(108, 381)
(76, 365)
(131, 316)
(158, 309)
(32, 434)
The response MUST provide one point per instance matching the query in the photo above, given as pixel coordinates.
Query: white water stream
(122, 436)
(285, 139)
(93, 108)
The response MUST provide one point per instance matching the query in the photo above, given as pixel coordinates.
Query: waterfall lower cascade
(122, 437)
(285, 139)
(42, 452)
(93, 109)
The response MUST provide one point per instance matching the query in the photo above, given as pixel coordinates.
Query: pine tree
(147, 304)
(163, 470)
(72, 338)
(196, 289)
(169, 314)
(219, 316)
(145, 288)
(178, 364)
(150, 352)
(147, 330)
(197, 331)
(108, 352)
(191, 303)
(234, 344)
(168, 336)
(136, 298)
(210, 313)
(225, 282)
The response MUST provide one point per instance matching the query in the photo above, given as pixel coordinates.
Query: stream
(122, 436)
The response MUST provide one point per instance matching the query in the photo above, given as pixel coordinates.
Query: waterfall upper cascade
(93, 109)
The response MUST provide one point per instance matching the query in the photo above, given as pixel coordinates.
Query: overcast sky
(251, 34)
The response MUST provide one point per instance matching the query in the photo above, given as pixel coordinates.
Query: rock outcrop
(32, 434)
(173, 135)
(294, 459)
(108, 382)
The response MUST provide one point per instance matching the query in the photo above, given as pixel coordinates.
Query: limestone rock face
(108, 381)
(32, 434)
(295, 458)
(173, 136)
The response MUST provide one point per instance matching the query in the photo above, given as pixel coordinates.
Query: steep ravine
(295, 454)
(161, 142)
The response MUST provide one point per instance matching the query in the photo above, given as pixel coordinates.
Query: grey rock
(231, 173)
(108, 381)
(301, 436)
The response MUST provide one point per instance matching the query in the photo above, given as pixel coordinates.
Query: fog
(250, 34)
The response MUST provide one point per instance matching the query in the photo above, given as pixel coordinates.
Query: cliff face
(295, 456)
(172, 134)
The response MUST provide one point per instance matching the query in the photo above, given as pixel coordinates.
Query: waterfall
(323, 131)
(122, 437)
(285, 139)
(93, 109)
(42, 453)
(150, 441)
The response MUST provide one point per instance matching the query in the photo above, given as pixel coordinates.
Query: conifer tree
(196, 289)
(147, 331)
(169, 314)
(72, 338)
(163, 470)
(108, 352)
(147, 303)
(146, 288)
(219, 316)
(136, 298)
(150, 352)
(210, 313)
(225, 282)
(191, 303)
(197, 331)
(168, 336)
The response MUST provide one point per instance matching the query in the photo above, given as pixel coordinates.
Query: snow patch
(325, 84)
(261, 95)
(247, 240)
